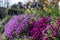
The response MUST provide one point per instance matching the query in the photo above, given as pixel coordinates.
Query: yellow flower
(28, 10)
(45, 8)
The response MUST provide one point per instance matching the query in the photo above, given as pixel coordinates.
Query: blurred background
(24, 4)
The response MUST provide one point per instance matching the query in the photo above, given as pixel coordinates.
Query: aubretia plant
(39, 28)
(18, 25)
(11, 26)
(45, 30)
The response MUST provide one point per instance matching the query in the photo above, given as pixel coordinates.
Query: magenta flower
(39, 27)
(54, 33)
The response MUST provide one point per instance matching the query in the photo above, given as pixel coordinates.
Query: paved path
(1, 37)
(0, 22)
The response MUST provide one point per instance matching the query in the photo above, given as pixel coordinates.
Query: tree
(14, 6)
(19, 5)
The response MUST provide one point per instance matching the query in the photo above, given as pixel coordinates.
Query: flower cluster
(45, 30)
(39, 28)
(26, 26)
(11, 26)
(17, 24)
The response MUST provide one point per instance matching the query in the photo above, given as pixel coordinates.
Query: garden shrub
(17, 26)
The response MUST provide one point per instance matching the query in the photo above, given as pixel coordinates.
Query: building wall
(1, 3)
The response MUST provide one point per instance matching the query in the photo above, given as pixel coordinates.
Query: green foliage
(49, 33)
(1, 28)
(59, 31)
(24, 39)
(51, 11)
(6, 19)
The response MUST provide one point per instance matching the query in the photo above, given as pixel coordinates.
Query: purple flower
(17, 25)
(11, 26)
